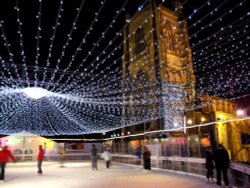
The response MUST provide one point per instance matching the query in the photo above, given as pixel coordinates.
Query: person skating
(106, 155)
(40, 158)
(94, 157)
(61, 157)
(5, 154)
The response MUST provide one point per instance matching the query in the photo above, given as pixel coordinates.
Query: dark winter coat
(221, 158)
(146, 155)
(209, 160)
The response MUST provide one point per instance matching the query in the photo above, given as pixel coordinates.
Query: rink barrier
(239, 174)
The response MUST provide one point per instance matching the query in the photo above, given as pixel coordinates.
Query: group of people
(106, 155)
(5, 155)
(221, 159)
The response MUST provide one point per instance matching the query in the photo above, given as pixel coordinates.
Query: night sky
(50, 43)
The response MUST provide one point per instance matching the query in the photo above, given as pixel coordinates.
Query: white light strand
(214, 45)
(108, 56)
(52, 40)
(22, 52)
(11, 55)
(98, 106)
(222, 51)
(230, 26)
(218, 19)
(73, 28)
(38, 37)
(199, 9)
(98, 41)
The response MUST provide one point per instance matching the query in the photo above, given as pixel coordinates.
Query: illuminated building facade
(158, 59)
(233, 134)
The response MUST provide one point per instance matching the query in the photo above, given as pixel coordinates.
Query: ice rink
(80, 175)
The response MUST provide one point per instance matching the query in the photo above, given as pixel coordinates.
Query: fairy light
(38, 37)
(95, 44)
(223, 48)
(218, 19)
(98, 115)
(11, 55)
(107, 57)
(205, 16)
(79, 49)
(226, 51)
(91, 101)
(52, 40)
(73, 28)
(22, 52)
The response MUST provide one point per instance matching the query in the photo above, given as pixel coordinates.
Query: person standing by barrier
(209, 163)
(106, 155)
(222, 162)
(146, 159)
(94, 157)
(40, 158)
(5, 154)
(138, 152)
(61, 157)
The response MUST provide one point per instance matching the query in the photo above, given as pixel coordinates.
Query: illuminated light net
(55, 114)
(83, 86)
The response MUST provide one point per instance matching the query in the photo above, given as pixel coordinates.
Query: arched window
(139, 41)
(169, 37)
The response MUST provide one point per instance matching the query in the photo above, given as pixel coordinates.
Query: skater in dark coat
(209, 164)
(221, 159)
(146, 160)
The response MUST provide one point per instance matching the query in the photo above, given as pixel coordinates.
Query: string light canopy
(61, 64)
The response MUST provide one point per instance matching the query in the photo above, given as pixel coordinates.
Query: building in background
(159, 89)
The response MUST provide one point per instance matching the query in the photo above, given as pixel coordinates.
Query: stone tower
(158, 77)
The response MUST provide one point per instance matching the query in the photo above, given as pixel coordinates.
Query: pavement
(80, 175)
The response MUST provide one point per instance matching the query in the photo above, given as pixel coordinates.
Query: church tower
(158, 77)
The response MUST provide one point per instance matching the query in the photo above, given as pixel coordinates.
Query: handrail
(242, 147)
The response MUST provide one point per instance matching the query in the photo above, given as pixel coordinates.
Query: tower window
(139, 41)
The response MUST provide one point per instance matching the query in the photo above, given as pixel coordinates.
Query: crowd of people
(5, 155)
(218, 159)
